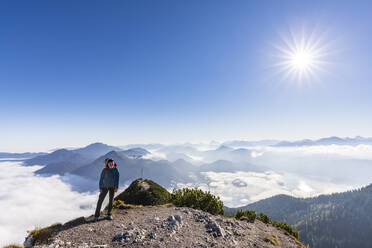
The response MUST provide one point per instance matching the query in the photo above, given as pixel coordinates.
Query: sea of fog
(28, 201)
(306, 171)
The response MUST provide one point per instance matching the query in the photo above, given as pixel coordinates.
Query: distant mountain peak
(63, 150)
(224, 148)
(95, 150)
(113, 154)
(136, 152)
(96, 144)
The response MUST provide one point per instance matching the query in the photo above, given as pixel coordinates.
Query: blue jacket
(109, 178)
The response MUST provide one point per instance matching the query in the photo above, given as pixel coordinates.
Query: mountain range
(78, 156)
(163, 171)
(358, 140)
(132, 164)
(98, 149)
(334, 140)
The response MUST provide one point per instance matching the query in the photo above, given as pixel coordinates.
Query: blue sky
(75, 72)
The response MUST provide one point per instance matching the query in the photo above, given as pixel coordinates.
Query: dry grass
(119, 204)
(300, 245)
(273, 239)
(41, 235)
(168, 205)
(13, 246)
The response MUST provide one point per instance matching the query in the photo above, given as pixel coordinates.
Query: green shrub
(145, 192)
(239, 214)
(197, 199)
(264, 218)
(287, 228)
(250, 215)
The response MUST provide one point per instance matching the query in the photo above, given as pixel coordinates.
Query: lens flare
(301, 58)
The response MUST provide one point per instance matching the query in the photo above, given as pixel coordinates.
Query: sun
(301, 58)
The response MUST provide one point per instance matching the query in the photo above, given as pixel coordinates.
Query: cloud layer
(241, 188)
(28, 201)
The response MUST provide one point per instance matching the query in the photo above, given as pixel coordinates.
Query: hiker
(109, 182)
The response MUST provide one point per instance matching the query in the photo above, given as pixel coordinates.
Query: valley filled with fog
(59, 188)
(264, 171)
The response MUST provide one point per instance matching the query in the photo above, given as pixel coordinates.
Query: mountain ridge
(162, 171)
(325, 220)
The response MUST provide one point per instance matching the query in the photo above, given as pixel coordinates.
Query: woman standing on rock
(109, 182)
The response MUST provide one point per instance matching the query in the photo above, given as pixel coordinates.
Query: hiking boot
(109, 217)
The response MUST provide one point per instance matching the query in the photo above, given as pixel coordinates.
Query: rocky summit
(147, 215)
(164, 226)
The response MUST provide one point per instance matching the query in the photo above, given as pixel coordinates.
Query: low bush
(264, 218)
(248, 215)
(239, 214)
(286, 227)
(197, 199)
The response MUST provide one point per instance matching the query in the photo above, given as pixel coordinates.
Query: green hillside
(338, 220)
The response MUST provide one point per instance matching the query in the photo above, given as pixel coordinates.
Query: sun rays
(301, 57)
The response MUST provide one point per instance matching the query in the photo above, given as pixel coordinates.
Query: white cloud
(196, 158)
(28, 201)
(256, 154)
(155, 155)
(255, 186)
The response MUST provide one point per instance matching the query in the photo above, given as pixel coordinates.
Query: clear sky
(76, 72)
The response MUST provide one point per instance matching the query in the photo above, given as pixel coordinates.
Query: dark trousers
(101, 197)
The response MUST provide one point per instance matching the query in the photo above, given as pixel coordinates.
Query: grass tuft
(41, 235)
(13, 246)
(273, 239)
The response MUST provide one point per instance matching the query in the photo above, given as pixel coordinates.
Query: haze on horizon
(74, 73)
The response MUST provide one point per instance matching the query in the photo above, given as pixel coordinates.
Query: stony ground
(166, 226)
